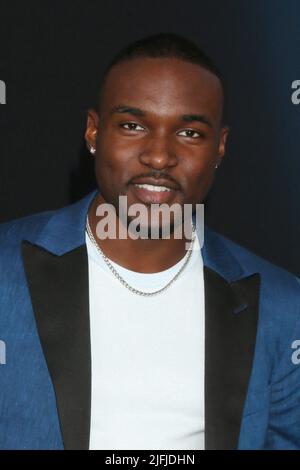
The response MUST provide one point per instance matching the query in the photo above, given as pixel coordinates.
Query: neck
(140, 255)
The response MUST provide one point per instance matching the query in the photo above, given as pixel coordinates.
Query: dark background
(51, 58)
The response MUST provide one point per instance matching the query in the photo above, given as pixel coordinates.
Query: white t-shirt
(147, 357)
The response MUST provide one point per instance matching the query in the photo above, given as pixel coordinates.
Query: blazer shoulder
(276, 282)
(251, 261)
(12, 232)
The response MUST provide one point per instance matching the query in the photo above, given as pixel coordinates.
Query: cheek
(116, 150)
(199, 178)
(113, 165)
(107, 153)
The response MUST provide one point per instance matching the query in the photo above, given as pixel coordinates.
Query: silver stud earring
(216, 166)
(92, 149)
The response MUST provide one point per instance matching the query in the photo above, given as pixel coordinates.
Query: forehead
(163, 86)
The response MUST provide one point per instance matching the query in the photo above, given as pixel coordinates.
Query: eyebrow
(128, 110)
(196, 117)
(123, 109)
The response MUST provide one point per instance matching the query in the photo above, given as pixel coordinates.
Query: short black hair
(169, 45)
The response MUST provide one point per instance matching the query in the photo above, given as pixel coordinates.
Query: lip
(153, 197)
(157, 182)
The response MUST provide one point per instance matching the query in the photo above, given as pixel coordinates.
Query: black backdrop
(51, 57)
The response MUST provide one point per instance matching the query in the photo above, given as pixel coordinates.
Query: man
(134, 342)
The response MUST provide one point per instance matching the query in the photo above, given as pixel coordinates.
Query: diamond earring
(92, 149)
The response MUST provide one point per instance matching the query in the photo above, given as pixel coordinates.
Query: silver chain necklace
(125, 284)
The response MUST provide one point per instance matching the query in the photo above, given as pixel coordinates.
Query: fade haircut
(168, 45)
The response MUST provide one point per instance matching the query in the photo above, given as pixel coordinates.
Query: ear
(92, 126)
(222, 143)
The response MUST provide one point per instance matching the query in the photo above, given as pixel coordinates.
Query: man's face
(159, 124)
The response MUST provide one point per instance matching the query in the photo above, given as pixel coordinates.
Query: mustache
(155, 175)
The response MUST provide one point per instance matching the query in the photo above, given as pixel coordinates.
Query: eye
(191, 133)
(132, 126)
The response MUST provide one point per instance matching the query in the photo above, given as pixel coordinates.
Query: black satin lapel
(231, 312)
(59, 291)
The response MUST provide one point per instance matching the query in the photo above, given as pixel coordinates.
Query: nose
(158, 153)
